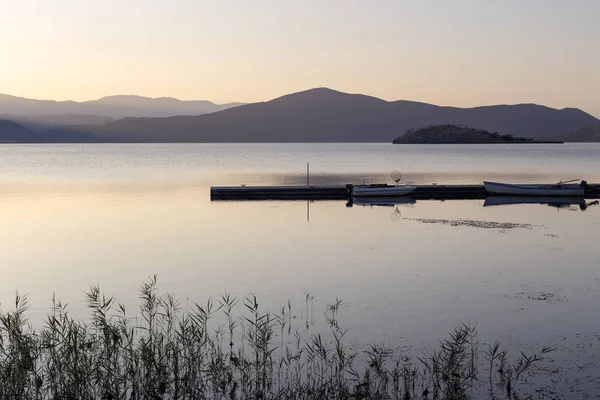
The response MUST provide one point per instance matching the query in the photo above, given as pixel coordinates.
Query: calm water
(75, 215)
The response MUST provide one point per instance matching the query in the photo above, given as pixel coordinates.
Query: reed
(231, 349)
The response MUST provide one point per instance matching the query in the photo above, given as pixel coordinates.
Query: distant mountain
(11, 132)
(112, 106)
(137, 106)
(324, 115)
(587, 134)
(42, 123)
(454, 134)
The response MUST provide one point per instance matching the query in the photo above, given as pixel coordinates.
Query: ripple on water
(475, 224)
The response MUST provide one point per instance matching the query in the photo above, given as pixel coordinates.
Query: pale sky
(449, 52)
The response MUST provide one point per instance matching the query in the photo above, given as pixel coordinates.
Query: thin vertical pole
(307, 174)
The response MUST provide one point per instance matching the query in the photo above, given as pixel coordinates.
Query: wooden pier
(342, 192)
(328, 192)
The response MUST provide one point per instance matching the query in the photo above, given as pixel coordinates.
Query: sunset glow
(463, 53)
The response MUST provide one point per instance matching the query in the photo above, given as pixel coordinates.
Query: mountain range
(12, 132)
(119, 106)
(587, 134)
(315, 115)
(42, 123)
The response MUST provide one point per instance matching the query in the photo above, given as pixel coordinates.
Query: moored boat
(382, 190)
(557, 189)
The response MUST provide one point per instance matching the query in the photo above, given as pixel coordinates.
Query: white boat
(549, 200)
(382, 190)
(557, 189)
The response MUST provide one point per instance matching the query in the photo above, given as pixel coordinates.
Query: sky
(459, 52)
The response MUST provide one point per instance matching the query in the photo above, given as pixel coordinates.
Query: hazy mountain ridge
(325, 115)
(119, 106)
(12, 132)
(42, 123)
(586, 134)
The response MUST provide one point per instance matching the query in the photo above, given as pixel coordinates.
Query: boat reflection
(558, 202)
(387, 201)
(379, 201)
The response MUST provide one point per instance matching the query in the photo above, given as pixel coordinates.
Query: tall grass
(231, 349)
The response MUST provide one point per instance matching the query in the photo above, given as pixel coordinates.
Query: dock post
(307, 174)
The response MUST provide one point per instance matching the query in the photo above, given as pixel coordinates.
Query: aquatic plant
(214, 350)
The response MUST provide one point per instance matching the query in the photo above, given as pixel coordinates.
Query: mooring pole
(307, 174)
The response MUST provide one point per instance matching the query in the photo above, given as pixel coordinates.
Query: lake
(76, 215)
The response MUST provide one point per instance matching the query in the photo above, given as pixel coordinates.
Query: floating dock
(325, 192)
(342, 192)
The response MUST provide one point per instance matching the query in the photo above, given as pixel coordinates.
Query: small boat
(388, 201)
(557, 189)
(548, 200)
(382, 190)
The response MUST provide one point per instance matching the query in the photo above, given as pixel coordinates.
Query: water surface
(75, 215)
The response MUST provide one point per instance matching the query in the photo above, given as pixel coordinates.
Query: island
(458, 134)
